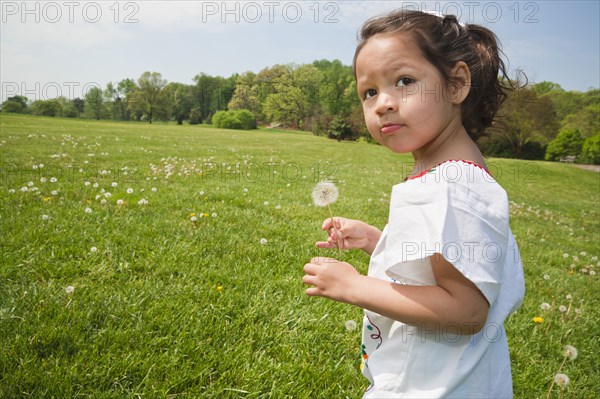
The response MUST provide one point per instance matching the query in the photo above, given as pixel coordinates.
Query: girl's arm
(352, 234)
(455, 304)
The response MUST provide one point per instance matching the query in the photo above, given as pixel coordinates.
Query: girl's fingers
(327, 223)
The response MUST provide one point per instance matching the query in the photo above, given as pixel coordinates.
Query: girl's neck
(454, 144)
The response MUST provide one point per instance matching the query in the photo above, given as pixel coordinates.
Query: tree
(246, 95)
(236, 119)
(149, 97)
(586, 120)
(50, 107)
(296, 96)
(94, 103)
(125, 90)
(567, 143)
(15, 104)
(181, 101)
(524, 117)
(590, 150)
(211, 94)
(79, 105)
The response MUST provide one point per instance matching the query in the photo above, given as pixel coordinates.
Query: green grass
(163, 307)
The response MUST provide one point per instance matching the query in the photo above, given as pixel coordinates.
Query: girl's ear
(461, 83)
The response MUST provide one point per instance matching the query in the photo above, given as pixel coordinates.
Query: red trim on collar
(441, 163)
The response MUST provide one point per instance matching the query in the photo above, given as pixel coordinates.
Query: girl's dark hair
(445, 42)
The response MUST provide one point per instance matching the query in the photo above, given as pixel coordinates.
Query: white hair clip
(440, 15)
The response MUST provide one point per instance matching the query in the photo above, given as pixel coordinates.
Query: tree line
(537, 121)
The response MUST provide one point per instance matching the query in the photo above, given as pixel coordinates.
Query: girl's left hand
(331, 279)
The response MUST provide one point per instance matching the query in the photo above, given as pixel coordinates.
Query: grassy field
(164, 261)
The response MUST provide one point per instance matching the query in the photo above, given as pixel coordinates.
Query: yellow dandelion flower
(192, 214)
(219, 288)
(538, 319)
(46, 199)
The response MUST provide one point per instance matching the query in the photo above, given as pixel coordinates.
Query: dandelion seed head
(70, 289)
(569, 297)
(88, 210)
(562, 380)
(562, 308)
(546, 277)
(130, 191)
(263, 241)
(570, 352)
(350, 325)
(45, 217)
(545, 306)
(324, 194)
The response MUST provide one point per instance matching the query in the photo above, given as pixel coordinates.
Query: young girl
(445, 272)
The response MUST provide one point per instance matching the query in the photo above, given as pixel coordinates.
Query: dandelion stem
(337, 236)
(558, 371)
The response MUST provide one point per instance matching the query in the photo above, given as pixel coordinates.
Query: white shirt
(456, 209)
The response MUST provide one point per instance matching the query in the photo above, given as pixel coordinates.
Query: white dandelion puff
(562, 380)
(545, 306)
(45, 217)
(70, 289)
(570, 352)
(88, 210)
(143, 201)
(325, 194)
(350, 325)
(263, 241)
(562, 308)
(130, 191)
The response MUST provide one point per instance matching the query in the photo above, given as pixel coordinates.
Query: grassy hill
(166, 261)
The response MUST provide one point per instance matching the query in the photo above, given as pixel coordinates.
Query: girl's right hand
(351, 234)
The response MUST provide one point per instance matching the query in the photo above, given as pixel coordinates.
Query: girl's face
(406, 104)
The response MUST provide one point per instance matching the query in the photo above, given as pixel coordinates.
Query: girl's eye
(404, 82)
(370, 93)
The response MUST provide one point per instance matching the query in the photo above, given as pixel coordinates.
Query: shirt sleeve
(468, 224)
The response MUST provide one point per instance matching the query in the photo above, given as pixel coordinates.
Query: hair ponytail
(489, 78)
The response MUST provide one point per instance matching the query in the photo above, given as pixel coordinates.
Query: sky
(53, 48)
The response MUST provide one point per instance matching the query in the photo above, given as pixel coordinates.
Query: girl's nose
(385, 103)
